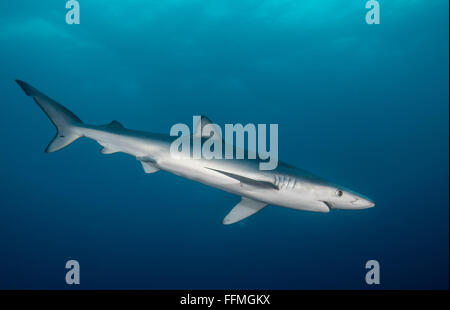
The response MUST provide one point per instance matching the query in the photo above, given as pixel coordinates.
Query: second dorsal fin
(114, 124)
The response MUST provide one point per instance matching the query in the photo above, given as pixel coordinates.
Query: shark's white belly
(200, 171)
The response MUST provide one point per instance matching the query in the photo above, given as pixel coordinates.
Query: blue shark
(286, 186)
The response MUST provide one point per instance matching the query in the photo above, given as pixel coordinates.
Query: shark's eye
(339, 193)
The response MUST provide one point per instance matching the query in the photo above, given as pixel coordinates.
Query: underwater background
(363, 105)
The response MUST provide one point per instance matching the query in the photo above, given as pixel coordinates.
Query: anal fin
(148, 164)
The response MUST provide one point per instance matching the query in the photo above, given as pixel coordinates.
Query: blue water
(363, 105)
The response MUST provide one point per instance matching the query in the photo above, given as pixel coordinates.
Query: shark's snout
(363, 203)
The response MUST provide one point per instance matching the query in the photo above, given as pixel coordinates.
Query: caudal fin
(63, 119)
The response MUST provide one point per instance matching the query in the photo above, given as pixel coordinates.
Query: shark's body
(284, 186)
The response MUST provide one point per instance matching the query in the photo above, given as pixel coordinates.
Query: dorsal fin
(114, 124)
(199, 132)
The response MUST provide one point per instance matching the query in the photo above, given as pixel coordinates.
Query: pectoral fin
(242, 210)
(248, 182)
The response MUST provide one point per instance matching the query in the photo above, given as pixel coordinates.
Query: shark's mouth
(328, 204)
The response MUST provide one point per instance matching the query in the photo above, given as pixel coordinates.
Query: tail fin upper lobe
(63, 119)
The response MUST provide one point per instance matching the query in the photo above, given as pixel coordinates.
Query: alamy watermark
(207, 142)
(373, 15)
(373, 275)
(73, 275)
(73, 15)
